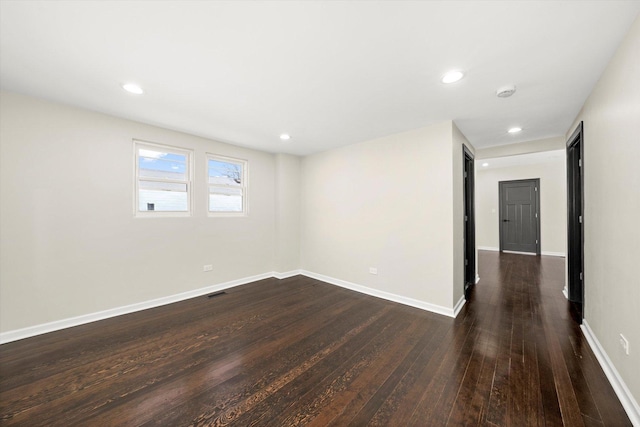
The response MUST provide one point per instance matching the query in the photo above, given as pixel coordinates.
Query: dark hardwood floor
(301, 352)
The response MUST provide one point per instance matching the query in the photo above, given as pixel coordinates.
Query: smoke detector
(506, 91)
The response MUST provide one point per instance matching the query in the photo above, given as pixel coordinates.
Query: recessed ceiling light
(133, 88)
(452, 76)
(514, 130)
(285, 137)
(484, 165)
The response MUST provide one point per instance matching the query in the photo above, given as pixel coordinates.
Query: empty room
(319, 213)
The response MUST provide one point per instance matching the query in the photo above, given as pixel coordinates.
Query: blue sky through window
(159, 161)
(219, 168)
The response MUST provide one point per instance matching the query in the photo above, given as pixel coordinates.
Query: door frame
(575, 220)
(469, 225)
(538, 215)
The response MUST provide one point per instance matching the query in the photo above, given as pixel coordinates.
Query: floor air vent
(216, 294)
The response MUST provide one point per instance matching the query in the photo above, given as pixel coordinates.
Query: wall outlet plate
(207, 267)
(624, 343)
(373, 270)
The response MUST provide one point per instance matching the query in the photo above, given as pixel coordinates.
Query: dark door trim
(575, 220)
(469, 222)
(501, 211)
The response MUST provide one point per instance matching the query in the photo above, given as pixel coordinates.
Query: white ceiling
(521, 160)
(329, 73)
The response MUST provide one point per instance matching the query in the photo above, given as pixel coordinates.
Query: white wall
(287, 213)
(553, 203)
(611, 118)
(535, 146)
(388, 204)
(70, 244)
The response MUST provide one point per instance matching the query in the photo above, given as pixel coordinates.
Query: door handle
(505, 220)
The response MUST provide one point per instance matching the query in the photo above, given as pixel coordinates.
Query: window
(163, 180)
(227, 182)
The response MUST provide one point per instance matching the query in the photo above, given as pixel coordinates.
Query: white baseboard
(477, 278)
(560, 254)
(520, 253)
(458, 307)
(44, 328)
(548, 253)
(286, 274)
(565, 292)
(626, 398)
(451, 312)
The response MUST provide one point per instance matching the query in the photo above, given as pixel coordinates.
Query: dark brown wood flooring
(301, 352)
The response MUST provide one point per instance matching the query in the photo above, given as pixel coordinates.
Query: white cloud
(151, 155)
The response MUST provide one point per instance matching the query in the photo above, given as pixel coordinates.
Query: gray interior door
(519, 216)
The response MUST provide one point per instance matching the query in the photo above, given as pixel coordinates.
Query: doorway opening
(469, 223)
(519, 217)
(575, 222)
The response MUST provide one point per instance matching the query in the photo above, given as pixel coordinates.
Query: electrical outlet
(624, 343)
(207, 267)
(373, 270)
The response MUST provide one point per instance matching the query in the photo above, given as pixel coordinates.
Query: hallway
(545, 372)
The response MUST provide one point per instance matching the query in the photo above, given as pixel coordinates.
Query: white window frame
(244, 181)
(137, 145)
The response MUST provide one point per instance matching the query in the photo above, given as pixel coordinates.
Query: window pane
(225, 173)
(162, 196)
(225, 199)
(158, 164)
(163, 186)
